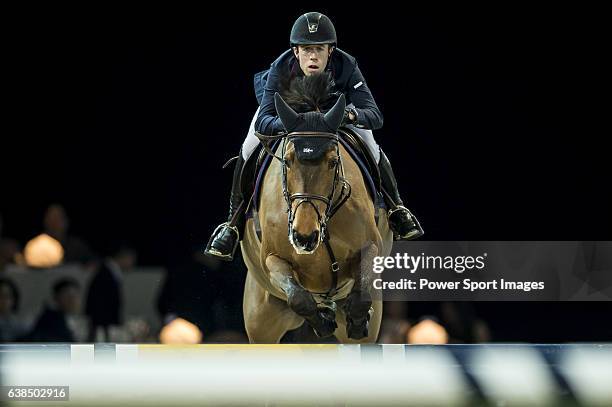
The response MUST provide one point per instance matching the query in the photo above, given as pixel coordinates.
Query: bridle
(331, 205)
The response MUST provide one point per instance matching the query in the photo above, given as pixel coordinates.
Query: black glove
(346, 119)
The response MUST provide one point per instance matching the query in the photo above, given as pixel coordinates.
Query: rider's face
(312, 58)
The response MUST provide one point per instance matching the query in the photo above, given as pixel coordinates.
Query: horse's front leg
(298, 299)
(358, 304)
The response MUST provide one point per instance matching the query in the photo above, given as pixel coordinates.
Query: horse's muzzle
(306, 243)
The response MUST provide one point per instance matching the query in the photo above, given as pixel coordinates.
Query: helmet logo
(312, 27)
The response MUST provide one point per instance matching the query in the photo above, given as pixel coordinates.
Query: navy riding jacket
(347, 79)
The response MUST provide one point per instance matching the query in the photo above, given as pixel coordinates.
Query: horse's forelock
(308, 93)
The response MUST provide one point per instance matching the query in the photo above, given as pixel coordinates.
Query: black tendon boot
(403, 223)
(224, 240)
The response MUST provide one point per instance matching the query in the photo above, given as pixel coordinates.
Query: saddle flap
(368, 165)
(365, 161)
(262, 161)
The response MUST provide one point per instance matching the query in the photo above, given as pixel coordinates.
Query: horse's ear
(334, 117)
(287, 115)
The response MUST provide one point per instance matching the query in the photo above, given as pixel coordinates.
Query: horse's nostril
(309, 242)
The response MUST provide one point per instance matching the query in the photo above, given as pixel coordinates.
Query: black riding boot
(224, 240)
(404, 224)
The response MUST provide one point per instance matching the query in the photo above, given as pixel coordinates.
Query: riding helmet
(313, 28)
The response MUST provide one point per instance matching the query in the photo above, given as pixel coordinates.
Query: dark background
(126, 116)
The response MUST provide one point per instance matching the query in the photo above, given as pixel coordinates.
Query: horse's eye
(333, 162)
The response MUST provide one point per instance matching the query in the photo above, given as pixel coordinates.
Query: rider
(313, 50)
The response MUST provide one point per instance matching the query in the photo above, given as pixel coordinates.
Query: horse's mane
(307, 93)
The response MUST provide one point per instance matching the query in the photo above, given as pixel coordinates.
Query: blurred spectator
(11, 328)
(57, 322)
(56, 225)
(139, 330)
(104, 304)
(9, 248)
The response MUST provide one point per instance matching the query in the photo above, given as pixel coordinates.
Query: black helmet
(313, 28)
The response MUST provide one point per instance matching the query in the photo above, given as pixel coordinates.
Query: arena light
(43, 251)
(180, 332)
(427, 332)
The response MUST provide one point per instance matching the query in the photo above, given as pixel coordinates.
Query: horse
(319, 236)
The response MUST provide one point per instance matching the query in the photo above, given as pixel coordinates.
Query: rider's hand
(349, 117)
